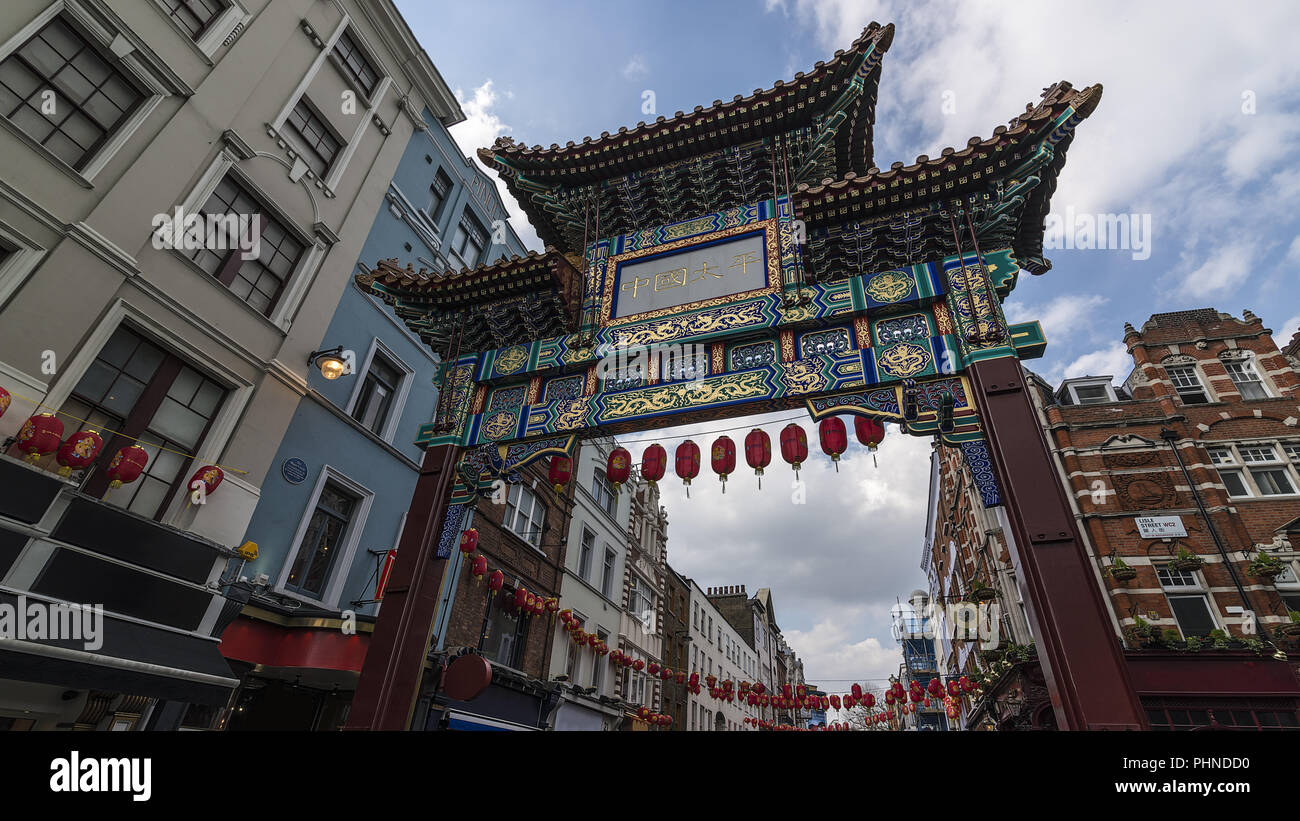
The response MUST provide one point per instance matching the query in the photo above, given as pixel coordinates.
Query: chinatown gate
(759, 236)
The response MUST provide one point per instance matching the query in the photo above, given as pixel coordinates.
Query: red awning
(259, 642)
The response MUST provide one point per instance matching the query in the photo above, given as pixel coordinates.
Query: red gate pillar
(390, 675)
(1081, 657)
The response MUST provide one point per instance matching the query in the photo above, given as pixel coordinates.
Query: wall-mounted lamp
(331, 362)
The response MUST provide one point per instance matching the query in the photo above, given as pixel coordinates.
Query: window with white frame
(1288, 586)
(572, 665)
(1187, 384)
(1188, 600)
(1246, 379)
(1292, 451)
(585, 550)
(258, 281)
(1256, 469)
(375, 404)
(607, 575)
(469, 240)
(598, 668)
(641, 602)
(323, 541)
(319, 143)
(439, 190)
(355, 64)
(195, 16)
(603, 492)
(525, 515)
(66, 94)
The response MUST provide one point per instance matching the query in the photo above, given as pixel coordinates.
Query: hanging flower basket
(1265, 566)
(981, 592)
(1121, 572)
(1186, 561)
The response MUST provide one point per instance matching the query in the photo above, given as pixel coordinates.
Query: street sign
(1160, 527)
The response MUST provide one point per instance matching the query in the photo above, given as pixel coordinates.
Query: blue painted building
(336, 499)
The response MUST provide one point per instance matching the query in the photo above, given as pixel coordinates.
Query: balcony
(61, 549)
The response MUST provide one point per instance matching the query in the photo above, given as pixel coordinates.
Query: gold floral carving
(704, 322)
(903, 359)
(803, 376)
(684, 395)
(890, 286)
(499, 425)
(512, 359)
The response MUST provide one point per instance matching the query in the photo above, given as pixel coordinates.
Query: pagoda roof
(842, 90)
(928, 181)
(546, 287)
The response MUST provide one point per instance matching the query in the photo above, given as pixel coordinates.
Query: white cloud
(480, 129)
(636, 68)
(1113, 360)
(1062, 317)
(1222, 270)
(1293, 253)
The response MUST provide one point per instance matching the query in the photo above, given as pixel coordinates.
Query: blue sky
(1197, 131)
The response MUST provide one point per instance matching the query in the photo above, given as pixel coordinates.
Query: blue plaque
(294, 470)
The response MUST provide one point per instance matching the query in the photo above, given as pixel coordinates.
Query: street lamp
(330, 361)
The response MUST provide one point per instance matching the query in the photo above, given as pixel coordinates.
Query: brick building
(645, 574)
(677, 644)
(1201, 442)
(524, 537)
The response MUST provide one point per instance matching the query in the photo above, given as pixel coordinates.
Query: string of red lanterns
(42, 434)
(758, 454)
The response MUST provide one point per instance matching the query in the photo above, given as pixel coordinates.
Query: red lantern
(495, 582)
(638, 665)
(128, 463)
(680, 677)
(835, 702)
(618, 466)
(653, 463)
(79, 451)
(5, 399)
(870, 432)
(40, 435)
(653, 669)
(688, 463)
(758, 452)
(794, 446)
(469, 542)
(210, 476)
(666, 673)
(759, 688)
(560, 473)
(834, 439)
(869, 701)
(724, 458)
(856, 690)
(521, 598)
(935, 687)
(480, 568)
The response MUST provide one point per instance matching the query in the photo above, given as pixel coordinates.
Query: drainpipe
(1171, 436)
